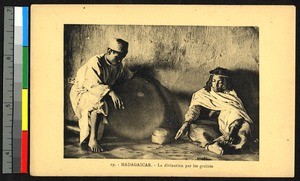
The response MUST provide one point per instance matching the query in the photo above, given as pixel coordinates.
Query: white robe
(229, 104)
(93, 81)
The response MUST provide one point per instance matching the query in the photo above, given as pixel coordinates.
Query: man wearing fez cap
(94, 80)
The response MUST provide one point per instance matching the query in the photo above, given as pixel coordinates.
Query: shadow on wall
(246, 84)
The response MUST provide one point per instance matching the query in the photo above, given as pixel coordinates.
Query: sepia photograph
(161, 92)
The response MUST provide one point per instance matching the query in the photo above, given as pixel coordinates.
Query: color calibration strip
(15, 90)
(24, 146)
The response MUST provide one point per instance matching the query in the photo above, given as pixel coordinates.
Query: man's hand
(233, 131)
(116, 100)
(182, 130)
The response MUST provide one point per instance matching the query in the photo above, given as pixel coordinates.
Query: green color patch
(25, 68)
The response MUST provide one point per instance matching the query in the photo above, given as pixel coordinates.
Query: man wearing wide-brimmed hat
(94, 80)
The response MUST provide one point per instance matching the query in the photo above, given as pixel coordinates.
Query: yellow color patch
(24, 110)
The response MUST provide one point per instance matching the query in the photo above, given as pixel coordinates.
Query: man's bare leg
(100, 127)
(94, 123)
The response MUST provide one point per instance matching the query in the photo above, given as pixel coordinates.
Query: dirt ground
(120, 148)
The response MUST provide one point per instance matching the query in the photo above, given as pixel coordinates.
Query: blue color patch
(25, 26)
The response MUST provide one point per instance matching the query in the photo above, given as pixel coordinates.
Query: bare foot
(95, 147)
(215, 148)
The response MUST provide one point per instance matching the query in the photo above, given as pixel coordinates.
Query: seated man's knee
(243, 135)
(243, 139)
